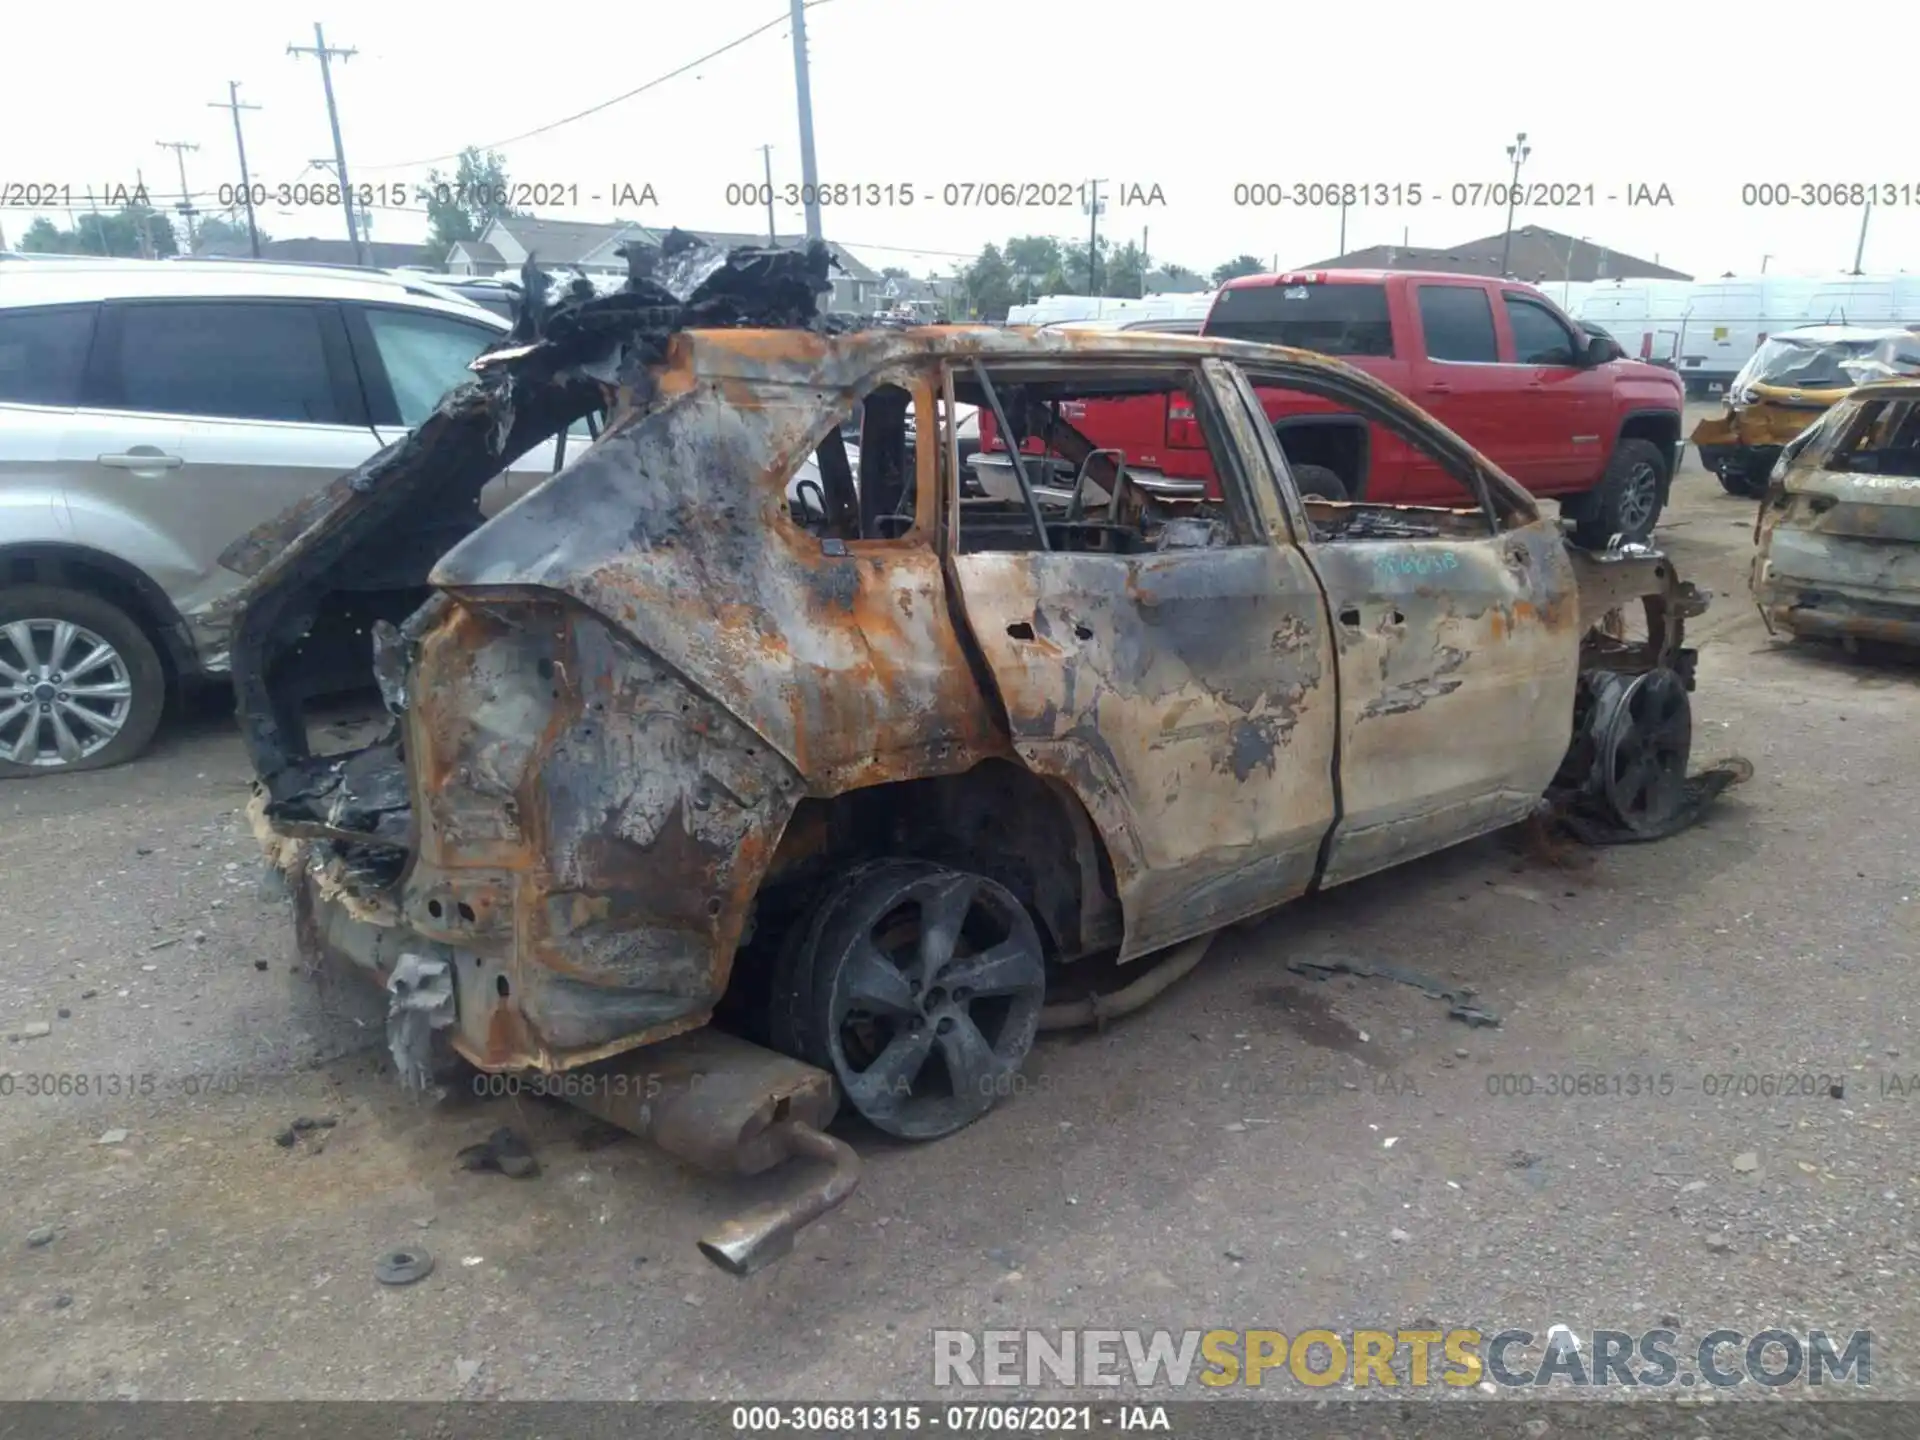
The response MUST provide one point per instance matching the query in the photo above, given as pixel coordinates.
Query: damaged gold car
(1837, 540)
(732, 800)
(1789, 383)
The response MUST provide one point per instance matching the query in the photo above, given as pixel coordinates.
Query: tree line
(458, 207)
(1029, 266)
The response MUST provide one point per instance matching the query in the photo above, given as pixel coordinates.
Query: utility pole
(326, 53)
(1093, 205)
(809, 174)
(1763, 263)
(147, 245)
(1860, 250)
(1143, 262)
(1517, 153)
(766, 154)
(240, 143)
(185, 207)
(1343, 223)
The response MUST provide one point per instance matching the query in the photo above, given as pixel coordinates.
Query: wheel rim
(65, 693)
(1646, 751)
(1637, 498)
(932, 999)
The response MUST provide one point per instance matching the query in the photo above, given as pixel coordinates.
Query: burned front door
(1165, 656)
(1457, 635)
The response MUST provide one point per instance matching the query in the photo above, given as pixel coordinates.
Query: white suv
(150, 415)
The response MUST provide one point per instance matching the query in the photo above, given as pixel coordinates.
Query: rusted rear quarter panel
(604, 821)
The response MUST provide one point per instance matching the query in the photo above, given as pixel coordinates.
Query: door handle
(138, 459)
(1439, 388)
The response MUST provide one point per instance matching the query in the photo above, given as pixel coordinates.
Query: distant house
(1538, 254)
(387, 254)
(577, 244)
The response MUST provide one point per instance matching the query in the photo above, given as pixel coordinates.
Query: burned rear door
(1457, 636)
(1175, 673)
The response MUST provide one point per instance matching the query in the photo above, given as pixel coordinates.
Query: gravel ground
(1257, 1149)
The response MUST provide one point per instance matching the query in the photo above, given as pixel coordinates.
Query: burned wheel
(1645, 729)
(919, 988)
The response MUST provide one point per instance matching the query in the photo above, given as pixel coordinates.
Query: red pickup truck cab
(1495, 361)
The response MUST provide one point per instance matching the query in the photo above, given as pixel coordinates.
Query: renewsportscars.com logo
(1457, 1357)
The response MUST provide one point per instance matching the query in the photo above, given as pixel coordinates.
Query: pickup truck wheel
(1316, 482)
(919, 987)
(81, 686)
(1627, 500)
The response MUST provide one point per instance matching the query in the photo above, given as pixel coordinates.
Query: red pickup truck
(1561, 411)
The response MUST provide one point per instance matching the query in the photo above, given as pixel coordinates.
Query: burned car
(732, 810)
(1838, 535)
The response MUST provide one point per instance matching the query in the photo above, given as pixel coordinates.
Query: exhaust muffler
(728, 1106)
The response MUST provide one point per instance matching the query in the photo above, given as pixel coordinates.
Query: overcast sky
(1193, 97)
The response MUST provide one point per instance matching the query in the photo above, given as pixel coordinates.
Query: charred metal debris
(378, 530)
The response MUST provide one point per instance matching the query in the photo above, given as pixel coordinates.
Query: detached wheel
(1316, 482)
(1646, 734)
(1738, 478)
(1628, 498)
(81, 686)
(919, 988)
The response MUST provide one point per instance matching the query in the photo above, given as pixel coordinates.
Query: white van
(1865, 300)
(1646, 316)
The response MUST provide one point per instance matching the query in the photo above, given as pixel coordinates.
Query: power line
(735, 44)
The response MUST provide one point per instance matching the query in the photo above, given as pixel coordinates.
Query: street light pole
(1517, 153)
(1860, 250)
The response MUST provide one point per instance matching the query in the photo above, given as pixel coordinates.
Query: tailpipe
(728, 1106)
(765, 1234)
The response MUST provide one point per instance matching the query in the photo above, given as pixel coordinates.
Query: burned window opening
(1054, 481)
(1883, 440)
(862, 480)
(1495, 506)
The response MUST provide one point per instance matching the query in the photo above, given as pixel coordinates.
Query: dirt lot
(1258, 1149)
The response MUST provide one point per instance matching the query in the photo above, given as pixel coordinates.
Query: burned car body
(853, 779)
(1837, 540)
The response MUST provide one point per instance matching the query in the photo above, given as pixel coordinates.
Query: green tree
(1074, 258)
(1037, 264)
(217, 230)
(1125, 272)
(989, 282)
(118, 233)
(1181, 275)
(893, 272)
(1233, 269)
(460, 206)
